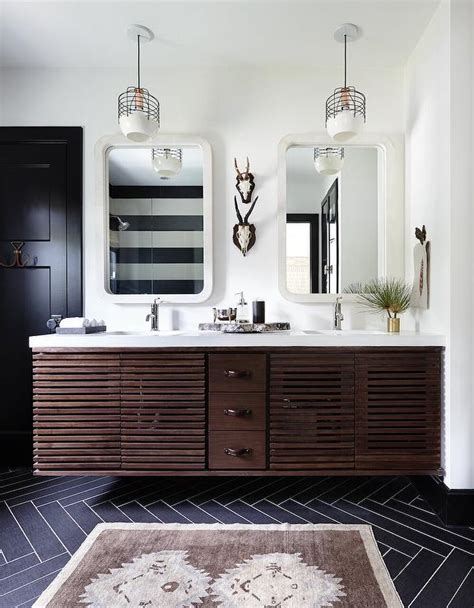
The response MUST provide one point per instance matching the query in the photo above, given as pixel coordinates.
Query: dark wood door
(398, 407)
(163, 411)
(76, 412)
(40, 206)
(311, 411)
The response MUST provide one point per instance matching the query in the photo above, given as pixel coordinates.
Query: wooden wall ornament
(421, 276)
(18, 261)
(244, 233)
(245, 182)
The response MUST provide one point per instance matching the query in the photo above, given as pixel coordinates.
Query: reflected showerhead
(121, 225)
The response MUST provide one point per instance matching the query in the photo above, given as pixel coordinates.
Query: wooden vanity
(237, 411)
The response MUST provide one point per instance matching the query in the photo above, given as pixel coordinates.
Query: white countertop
(205, 339)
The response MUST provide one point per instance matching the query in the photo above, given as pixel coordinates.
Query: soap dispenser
(242, 309)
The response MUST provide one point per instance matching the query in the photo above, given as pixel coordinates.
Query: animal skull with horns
(244, 233)
(245, 183)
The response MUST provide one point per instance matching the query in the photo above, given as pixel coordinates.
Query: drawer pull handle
(237, 413)
(236, 373)
(241, 452)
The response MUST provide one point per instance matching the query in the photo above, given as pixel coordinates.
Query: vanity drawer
(237, 450)
(234, 373)
(237, 411)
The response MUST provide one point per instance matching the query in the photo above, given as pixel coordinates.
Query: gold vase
(393, 325)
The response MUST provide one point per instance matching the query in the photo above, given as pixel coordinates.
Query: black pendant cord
(138, 60)
(345, 61)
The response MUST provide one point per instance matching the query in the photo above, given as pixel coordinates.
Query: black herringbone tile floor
(43, 520)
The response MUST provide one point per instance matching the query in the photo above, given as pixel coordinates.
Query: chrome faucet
(154, 315)
(338, 316)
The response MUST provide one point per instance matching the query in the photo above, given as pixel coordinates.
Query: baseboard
(453, 507)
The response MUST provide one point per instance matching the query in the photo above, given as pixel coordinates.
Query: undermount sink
(342, 332)
(215, 335)
(146, 333)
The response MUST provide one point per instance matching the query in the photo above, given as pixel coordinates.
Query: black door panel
(41, 206)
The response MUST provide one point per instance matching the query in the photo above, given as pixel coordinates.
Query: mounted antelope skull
(244, 233)
(245, 183)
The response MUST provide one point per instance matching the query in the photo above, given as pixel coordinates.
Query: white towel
(74, 322)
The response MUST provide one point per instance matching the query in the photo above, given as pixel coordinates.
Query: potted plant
(388, 295)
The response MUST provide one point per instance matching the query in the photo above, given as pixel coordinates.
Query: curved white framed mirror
(340, 214)
(156, 201)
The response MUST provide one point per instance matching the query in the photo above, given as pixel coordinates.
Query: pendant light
(328, 161)
(345, 108)
(138, 110)
(167, 162)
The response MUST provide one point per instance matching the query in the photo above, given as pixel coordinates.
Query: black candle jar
(258, 310)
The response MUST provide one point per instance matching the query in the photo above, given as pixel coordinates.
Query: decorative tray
(81, 330)
(244, 328)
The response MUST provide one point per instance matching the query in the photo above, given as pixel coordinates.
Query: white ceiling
(217, 33)
(132, 167)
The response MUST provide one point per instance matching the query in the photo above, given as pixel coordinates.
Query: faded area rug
(230, 566)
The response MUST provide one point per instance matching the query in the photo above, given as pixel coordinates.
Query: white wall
(359, 217)
(439, 195)
(241, 112)
(305, 187)
(461, 415)
(427, 158)
(472, 193)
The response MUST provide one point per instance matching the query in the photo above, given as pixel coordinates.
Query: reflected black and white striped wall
(162, 250)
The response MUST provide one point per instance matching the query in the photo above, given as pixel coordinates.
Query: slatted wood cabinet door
(76, 411)
(398, 410)
(311, 411)
(163, 411)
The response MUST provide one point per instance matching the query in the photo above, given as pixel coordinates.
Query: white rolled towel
(95, 323)
(74, 322)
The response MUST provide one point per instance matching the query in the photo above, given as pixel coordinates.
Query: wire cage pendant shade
(167, 162)
(138, 109)
(346, 107)
(328, 161)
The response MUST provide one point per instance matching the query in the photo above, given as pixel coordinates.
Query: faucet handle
(338, 316)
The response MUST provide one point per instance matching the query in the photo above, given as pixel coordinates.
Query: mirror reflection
(156, 220)
(331, 217)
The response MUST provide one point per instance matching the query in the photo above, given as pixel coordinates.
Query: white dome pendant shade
(137, 126)
(345, 108)
(328, 161)
(138, 110)
(344, 125)
(167, 162)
